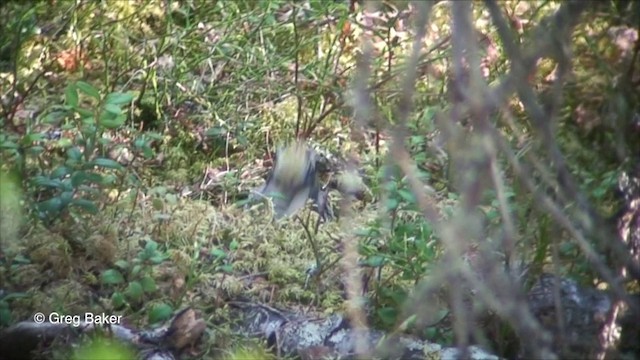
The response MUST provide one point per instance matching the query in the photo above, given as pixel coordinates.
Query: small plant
(407, 249)
(133, 280)
(74, 178)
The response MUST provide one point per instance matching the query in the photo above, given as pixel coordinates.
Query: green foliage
(11, 214)
(77, 178)
(405, 247)
(160, 312)
(215, 85)
(133, 282)
(5, 312)
(103, 348)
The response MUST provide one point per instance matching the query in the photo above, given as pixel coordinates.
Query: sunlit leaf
(54, 117)
(392, 203)
(118, 98)
(7, 144)
(113, 109)
(86, 115)
(43, 181)
(71, 96)
(88, 89)
(112, 277)
(10, 211)
(85, 204)
(103, 349)
(74, 154)
(106, 163)
(160, 312)
(136, 270)
(218, 253)
(226, 268)
(31, 138)
(216, 131)
(117, 300)
(134, 291)
(122, 264)
(113, 123)
(148, 284)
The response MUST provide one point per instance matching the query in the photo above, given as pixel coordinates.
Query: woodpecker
(293, 179)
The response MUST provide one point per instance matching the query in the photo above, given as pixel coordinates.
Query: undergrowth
(131, 130)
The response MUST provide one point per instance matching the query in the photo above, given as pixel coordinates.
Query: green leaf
(113, 109)
(136, 270)
(215, 131)
(151, 246)
(74, 154)
(117, 300)
(147, 152)
(407, 195)
(86, 115)
(153, 135)
(118, 98)
(109, 179)
(408, 323)
(112, 123)
(7, 144)
(234, 245)
(122, 264)
(158, 259)
(140, 142)
(11, 296)
(160, 312)
(392, 203)
(431, 333)
(364, 232)
(60, 172)
(55, 117)
(71, 96)
(35, 150)
(52, 206)
(88, 89)
(106, 163)
(566, 249)
(112, 277)
(31, 138)
(21, 259)
(43, 181)
(5, 316)
(375, 261)
(78, 178)
(388, 315)
(218, 254)
(85, 204)
(492, 214)
(134, 291)
(157, 204)
(63, 143)
(103, 348)
(82, 177)
(66, 197)
(227, 269)
(172, 199)
(148, 284)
